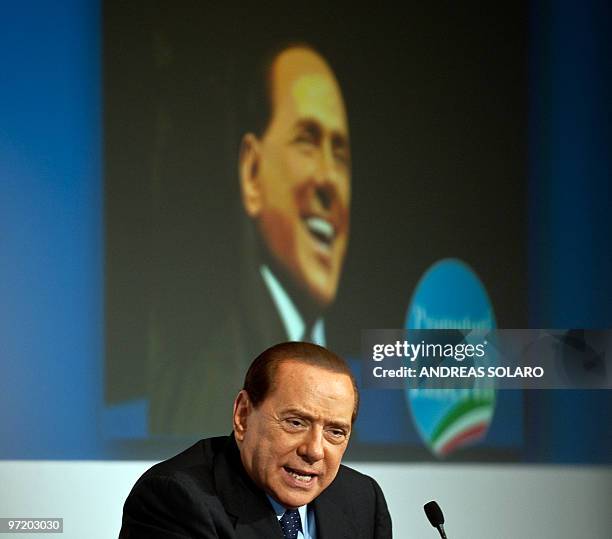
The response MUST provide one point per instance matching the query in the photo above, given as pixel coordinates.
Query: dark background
(437, 104)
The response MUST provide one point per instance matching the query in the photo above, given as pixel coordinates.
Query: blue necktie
(291, 524)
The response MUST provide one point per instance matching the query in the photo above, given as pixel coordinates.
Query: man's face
(292, 443)
(302, 175)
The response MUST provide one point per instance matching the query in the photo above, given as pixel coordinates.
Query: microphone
(435, 517)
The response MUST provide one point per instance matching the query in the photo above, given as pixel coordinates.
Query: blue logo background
(450, 296)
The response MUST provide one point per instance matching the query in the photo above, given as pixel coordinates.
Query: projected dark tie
(291, 524)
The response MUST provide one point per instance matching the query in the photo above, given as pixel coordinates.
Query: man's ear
(242, 409)
(248, 168)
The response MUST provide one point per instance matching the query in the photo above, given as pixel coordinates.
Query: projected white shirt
(292, 319)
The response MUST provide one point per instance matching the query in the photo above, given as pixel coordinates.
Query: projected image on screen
(272, 177)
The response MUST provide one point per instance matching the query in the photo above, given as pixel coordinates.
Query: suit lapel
(246, 505)
(331, 521)
(251, 513)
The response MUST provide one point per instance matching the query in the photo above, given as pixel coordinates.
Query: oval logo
(450, 296)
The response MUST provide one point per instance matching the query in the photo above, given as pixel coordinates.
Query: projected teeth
(322, 229)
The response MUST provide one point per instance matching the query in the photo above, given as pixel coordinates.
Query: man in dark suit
(294, 169)
(279, 474)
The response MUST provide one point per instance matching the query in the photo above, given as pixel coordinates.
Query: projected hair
(255, 113)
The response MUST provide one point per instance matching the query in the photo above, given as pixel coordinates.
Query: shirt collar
(290, 316)
(280, 511)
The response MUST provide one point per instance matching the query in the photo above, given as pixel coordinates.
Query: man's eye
(306, 139)
(294, 423)
(341, 156)
(337, 434)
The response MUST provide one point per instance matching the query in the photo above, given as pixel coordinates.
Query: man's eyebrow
(340, 425)
(339, 139)
(309, 124)
(298, 412)
(305, 415)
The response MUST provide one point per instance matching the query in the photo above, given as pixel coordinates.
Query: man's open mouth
(299, 474)
(321, 229)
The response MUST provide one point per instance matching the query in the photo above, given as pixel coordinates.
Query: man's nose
(328, 173)
(328, 178)
(311, 449)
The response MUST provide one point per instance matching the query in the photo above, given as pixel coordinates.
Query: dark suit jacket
(193, 391)
(204, 492)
